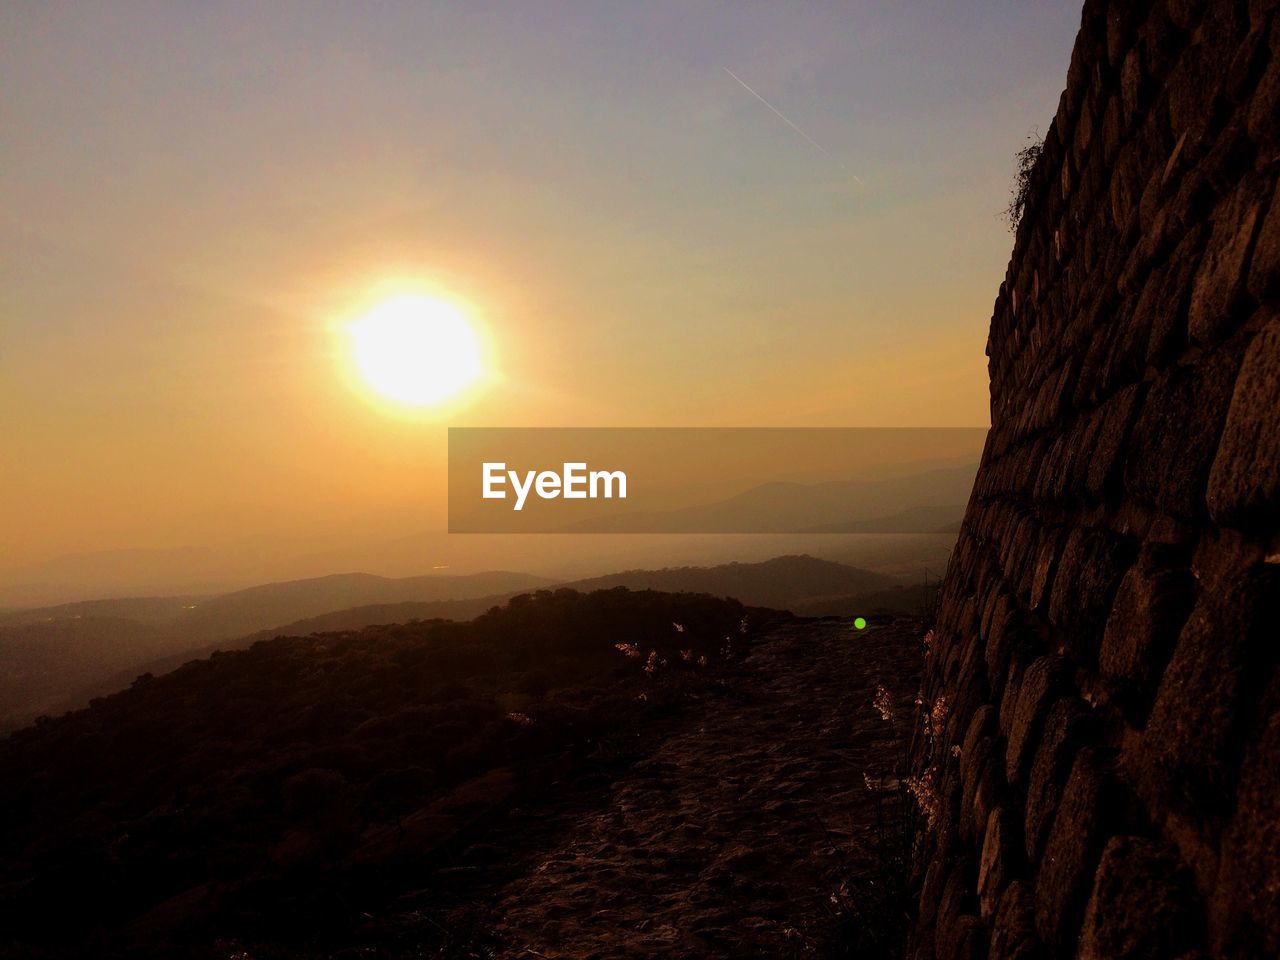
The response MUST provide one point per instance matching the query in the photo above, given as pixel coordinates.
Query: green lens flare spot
(859, 623)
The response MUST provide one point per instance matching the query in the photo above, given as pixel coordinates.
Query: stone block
(1219, 286)
(1229, 164)
(1162, 307)
(965, 940)
(1249, 879)
(1013, 932)
(1135, 92)
(1248, 64)
(1051, 541)
(1127, 360)
(957, 900)
(1009, 638)
(1068, 729)
(1162, 43)
(1043, 682)
(1120, 19)
(1264, 266)
(1261, 10)
(996, 605)
(1092, 563)
(1114, 419)
(1222, 32)
(1150, 607)
(1084, 819)
(982, 787)
(1189, 97)
(970, 690)
(1049, 476)
(1000, 860)
(1128, 179)
(1143, 903)
(1149, 250)
(1244, 484)
(1263, 117)
(930, 897)
(949, 842)
(1091, 382)
(1175, 437)
(1185, 14)
(1188, 759)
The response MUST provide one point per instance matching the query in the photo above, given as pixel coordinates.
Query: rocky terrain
(608, 774)
(770, 821)
(748, 829)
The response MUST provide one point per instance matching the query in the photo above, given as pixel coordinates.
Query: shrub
(1026, 159)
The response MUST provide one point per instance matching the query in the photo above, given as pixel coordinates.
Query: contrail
(781, 116)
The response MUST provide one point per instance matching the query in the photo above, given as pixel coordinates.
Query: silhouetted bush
(1026, 159)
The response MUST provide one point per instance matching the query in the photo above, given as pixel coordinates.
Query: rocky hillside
(611, 774)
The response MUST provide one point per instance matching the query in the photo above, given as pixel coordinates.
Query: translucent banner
(711, 480)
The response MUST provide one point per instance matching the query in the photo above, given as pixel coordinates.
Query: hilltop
(248, 792)
(57, 658)
(593, 773)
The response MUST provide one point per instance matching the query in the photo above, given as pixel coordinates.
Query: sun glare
(416, 351)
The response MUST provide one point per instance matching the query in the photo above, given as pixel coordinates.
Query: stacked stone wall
(1106, 766)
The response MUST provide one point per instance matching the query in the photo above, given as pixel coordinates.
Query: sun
(416, 351)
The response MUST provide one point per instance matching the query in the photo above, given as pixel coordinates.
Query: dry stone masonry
(1107, 780)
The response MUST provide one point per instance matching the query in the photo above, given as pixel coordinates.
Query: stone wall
(1104, 761)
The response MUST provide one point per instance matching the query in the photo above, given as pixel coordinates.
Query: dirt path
(733, 837)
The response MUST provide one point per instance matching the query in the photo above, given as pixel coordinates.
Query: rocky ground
(762, 825)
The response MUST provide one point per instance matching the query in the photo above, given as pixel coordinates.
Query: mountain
(804, 508)
(278, 792)
(137, 609)
(355, 618)
(272, 604)
(926, 519)
(786, 583)
(51, 656)
(41, 663)
(58, 658)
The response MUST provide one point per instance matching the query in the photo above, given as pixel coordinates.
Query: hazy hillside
(355, 618)
(272, 604)
(784, 582)
(878, 505)
(138, 609)
(944, 518)
(42, 663)
(799, 584)
(57, 658)
(51, 655)
(559, 557)
(277, 791)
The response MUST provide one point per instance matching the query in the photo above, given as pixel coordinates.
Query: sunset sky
(195, 198)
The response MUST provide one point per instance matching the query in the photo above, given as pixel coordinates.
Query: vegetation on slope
(271, 792)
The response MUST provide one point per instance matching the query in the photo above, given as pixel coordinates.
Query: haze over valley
(56, 658)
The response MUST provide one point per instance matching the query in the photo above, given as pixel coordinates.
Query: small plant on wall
(1026, 159)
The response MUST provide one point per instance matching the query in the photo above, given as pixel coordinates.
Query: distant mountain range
(56, 658)
(928, 502)
(49, 655)
(792, 583)
(939, 519)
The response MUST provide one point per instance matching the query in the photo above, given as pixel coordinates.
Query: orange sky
(194, 199)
